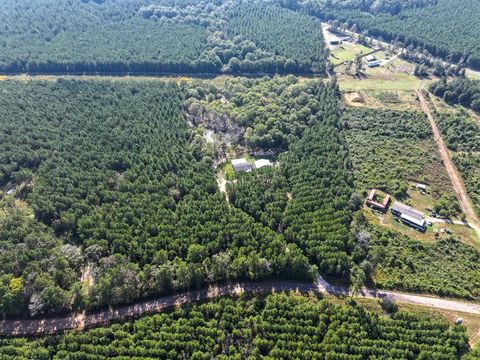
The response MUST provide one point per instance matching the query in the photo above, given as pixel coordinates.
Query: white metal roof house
(241, 165)
(409, 216)
(262, 163)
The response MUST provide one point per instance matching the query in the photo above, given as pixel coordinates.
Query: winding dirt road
(82, 321)
(455, 178)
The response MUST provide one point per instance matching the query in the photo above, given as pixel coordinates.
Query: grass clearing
(397, 74)
(390, 148)
(347, 52)
(387, 82)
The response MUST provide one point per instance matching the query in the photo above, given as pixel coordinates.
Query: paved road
(455, 178)
(82, 321)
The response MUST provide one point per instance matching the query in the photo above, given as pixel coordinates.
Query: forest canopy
(113, 36)
(107, 190)
(461, 91)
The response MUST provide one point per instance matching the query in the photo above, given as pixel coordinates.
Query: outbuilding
(371, 201)
(241, 165)
(374, 63)
(262, 163)
(422, 187)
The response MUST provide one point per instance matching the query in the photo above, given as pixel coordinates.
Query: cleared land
(401, 100)
(347, 52)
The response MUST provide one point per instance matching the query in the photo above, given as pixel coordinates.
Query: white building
(262, 163)
(422, 187)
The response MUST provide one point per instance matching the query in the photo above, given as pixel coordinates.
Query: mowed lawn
(396, 75)
(347, 51)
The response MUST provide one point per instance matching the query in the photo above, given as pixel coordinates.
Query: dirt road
(455, 178)
(428, 301)
(82, 321)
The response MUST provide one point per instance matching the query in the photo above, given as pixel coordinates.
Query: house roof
(407, 210)
(371, 194)
(414, 220)
(241, 164)
(262, 162)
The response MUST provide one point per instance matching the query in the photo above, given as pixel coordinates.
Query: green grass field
(396, 75)
(346, 52)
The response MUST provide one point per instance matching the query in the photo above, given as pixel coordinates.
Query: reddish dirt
(457, 181)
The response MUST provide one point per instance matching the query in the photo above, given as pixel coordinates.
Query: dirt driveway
(457, 181)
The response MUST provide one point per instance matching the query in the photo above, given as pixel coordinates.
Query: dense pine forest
(106, 181)
(278, 326)
(281, 31)
(114, 36)
(263, 194)
(109, 177)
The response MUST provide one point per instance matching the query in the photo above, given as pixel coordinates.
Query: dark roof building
(241, 165)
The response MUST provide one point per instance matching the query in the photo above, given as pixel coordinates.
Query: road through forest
(80, 321)
(455, 178)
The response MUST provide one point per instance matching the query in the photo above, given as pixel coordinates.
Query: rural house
(409, 216)
(241, 165)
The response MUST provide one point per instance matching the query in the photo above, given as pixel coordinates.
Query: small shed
(335, 42)
(374, 63)
(371, 58)
(262, 163)
(422, 187)
(241, 165)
